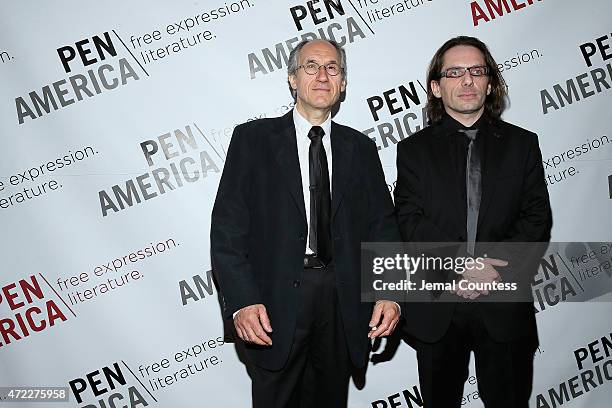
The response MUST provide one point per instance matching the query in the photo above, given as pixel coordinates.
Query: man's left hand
(385, 316)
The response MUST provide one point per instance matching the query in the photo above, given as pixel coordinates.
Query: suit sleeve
(535, 218)
(532, 226)
(409, 198)
(382, 224)
(229, 232)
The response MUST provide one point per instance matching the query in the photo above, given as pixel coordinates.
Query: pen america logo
(109, 387)
(176, 159)
(550, 286)
(398, 113)
(325, 19)
(118, 385)
(410, 398)
(584, 85)
(594, 365)
(103, 73)
(25, 309)
(484, 11)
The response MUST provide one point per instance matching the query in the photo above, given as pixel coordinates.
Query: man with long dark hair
(472, 178)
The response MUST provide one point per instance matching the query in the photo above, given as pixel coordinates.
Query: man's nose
(322, 74)
(467, 79)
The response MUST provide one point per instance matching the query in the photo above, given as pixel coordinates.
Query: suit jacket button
(302, 237)
(296, 283)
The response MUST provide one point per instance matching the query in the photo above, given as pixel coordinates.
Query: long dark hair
(495, 102)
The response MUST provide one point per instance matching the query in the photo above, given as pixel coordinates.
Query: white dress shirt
(302, 127)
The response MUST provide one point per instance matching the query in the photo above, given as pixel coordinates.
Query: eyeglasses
(312, 68)
(458, 72)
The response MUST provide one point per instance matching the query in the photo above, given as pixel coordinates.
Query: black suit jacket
(258, 232)
(515, 207)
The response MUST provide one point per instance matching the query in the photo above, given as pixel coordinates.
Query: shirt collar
(303, 126)
(448, 125)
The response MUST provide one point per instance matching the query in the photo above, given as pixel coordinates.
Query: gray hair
(292, 65)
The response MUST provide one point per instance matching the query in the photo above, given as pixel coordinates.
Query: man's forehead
(459, 53)
(317, 50)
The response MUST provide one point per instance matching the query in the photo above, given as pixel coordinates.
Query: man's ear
(292, 81)
(435, 88)
(343, 85)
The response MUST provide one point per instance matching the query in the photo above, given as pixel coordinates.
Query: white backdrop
(111, 251)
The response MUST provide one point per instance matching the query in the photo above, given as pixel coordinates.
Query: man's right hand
(253, 325)
(488, 274)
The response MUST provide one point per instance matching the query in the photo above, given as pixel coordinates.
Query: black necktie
(473, 190)
(320, 200)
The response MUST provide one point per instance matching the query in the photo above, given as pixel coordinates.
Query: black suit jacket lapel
(287, 157)
(342, 148)
(445, 163)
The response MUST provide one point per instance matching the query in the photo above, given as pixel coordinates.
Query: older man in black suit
(285, 242)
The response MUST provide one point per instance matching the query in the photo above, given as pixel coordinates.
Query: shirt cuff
(236, 312)
(399, 308)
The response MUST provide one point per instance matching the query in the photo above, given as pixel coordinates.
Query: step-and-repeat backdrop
(115, 119)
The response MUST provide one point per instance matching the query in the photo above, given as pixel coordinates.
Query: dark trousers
(318, 369)
(504, 370)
